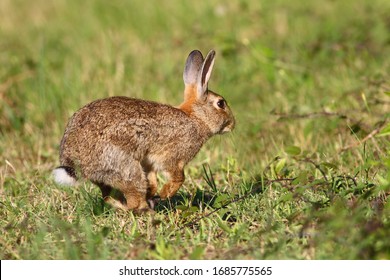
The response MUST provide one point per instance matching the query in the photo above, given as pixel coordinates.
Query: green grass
(305, 175)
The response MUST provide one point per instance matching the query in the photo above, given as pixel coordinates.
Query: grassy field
(305, 174)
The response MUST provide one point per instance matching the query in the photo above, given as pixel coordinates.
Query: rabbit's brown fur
(120, 143)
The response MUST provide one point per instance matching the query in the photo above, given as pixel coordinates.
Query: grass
(305, 175)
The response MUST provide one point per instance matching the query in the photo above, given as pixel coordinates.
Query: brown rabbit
(120, 142)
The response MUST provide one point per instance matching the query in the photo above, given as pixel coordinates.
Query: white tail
(62, 177)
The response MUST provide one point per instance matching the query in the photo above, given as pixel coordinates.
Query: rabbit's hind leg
(136, 199)
(134, 186)
(112, 197)
(125, 185)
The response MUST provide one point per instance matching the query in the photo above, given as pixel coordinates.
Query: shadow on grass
(183, 201)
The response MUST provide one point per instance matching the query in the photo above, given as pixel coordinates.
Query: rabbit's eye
(221, 104)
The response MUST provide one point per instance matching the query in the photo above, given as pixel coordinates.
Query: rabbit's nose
(229, 127)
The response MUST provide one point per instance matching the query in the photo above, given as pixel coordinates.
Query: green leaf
(181, 207)
(385, 131)
(292, 150)
(286, 197)
(186, 214)
(193, 209)
(279, 166)
(220, 200)
(187, 211)
(302, 178)
(223, 225)
(328, 165)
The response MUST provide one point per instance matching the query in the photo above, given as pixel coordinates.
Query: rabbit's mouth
(227, 127)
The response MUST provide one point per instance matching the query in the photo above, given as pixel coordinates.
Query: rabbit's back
(107, 133)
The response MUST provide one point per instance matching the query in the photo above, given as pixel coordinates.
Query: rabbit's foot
(171, 188)
(153, 201)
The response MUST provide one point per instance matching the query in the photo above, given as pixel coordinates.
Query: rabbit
(119, 143)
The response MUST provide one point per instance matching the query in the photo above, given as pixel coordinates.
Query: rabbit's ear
(205, 73)
(192, 68)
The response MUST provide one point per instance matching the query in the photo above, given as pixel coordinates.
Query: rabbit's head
(200, 102)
